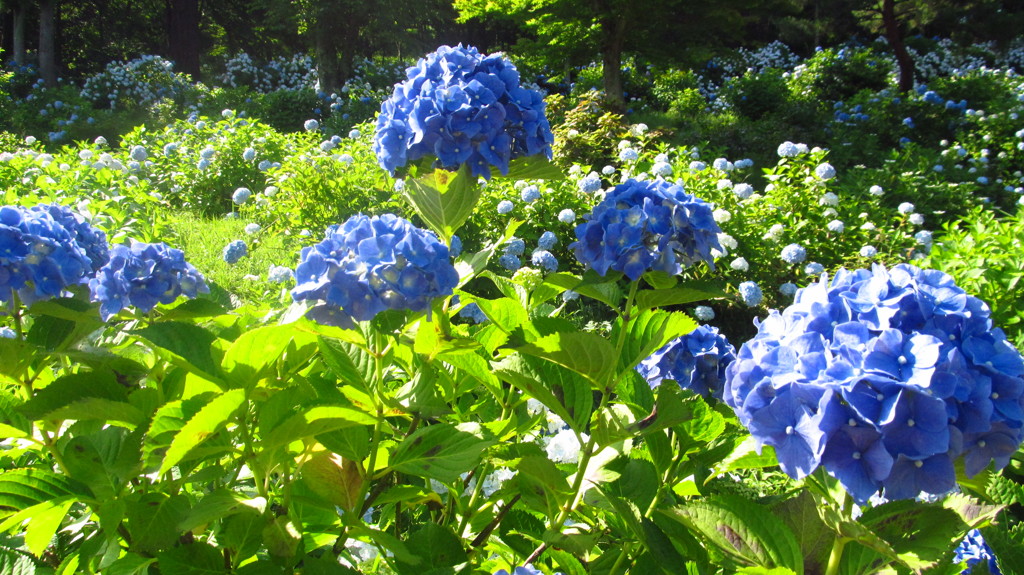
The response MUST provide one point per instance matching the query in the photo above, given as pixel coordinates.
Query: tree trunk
(614, 36)
(894, 34)
(336, 38)
(48, 42)
(18, 39)
(183, 35)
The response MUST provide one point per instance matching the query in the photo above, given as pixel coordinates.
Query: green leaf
(566, 393)
(444, 200)
(153, 519)
(58, 323)
(24, 487)
(349, 442)
(437, 546)
(506, 313)
(800, 514)
(190, 345)
(201, 426)
(104, 460)
(352, 364)
(242, 532)
(567, 563)
(197, 308)
(920, 534)
(745, 456)
(1008, 548)
(315, 421)
(192, 559)
(258, 351)
(218, 505)
(746, 532)
(477, 367)
(41, 522)
(536, 167)
(687, 293)
(71, 388)
(602, 288)
(130, 564)
(648, 332)
(167, 422)
(588, 354)
(686, 412)
(440, 451)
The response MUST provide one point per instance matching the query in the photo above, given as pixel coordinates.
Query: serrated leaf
(71, 388)
(192, 559)
(920, 534)
(509, 288)
(190, 345)
(748, 533)
(202, 425)
(604, 289)
(745, 456)
(153, 519)
(800, 514)
(315, 421)
(507, 314)
(567, 563)
(257, 351)
(352, 364)
(24, 487)
(687, 293)
(536, 167)
(437, 547)
(647, 332)
(218, 505)
(41, 522)
(444, 200)
(588, 354)
(440, 451)
(564, 392)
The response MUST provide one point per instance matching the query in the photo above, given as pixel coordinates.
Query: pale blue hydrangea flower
(740, 264)
(567, 216)
(793, 254)
(876, 190)
(825, 171)
(743, 191)
(252, 228)
(249, 154)
(836, 226)
(663, 169)
(697, 166)
(530, 194)
(916, 219)
(547, 240)
(569, 295)
(905, 208)
(704, 313)
(629, 155)
(751, 293)
(608, 170)
(787, 150)
(787, 289)
(868, 251)
(505, 206)
(814, 269)
(279, 274)
(311, 125)
(589, 183)
(241, 196)
(234, 251)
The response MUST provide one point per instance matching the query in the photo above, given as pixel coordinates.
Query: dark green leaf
(190, 345)
(564, 392)
(687, 293)
(218, 505)
(437, 546)
(800, 514)
(22, 488)
(351, 363)
(192, 559)
(647, 332)
(602, 288)
(535, 167)
(153, 519)
(440, 451)
(920, 534)
(195, 309)
(315, 421)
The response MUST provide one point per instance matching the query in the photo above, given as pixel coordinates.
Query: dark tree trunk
(614, 37)
(336, 39)
(18, 40)
(183, 35)
(894, 34)
(48, 41)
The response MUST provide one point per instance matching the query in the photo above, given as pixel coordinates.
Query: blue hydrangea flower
(367, 265)
(311, 125)
(241, 195)
(510, 262)
(234, 251)
(608, 170)
(455, 247)
(704, 313)
(544, 260)
(751, 293)
(589, 183)
(887, 377)
(567, 216)
(249, 154)
(788, 289)
(974, 550)
(793, 254)
(547, 241)
(505, 206)
(143, 275)
(788, 150)
(629, 155)
(515, 247)
(526, 570)
(696, 361)
(252, 228)
(649, 225)
(44, 250)
(662, 169)
(473, 313)
(461, 107)
(814, 269)
(139, 153)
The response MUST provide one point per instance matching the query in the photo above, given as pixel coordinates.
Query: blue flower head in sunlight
(648, 225)
(886, 377)
(696, 361)
(44, 250)
(367, 265)
(462, 108)
(143, 275)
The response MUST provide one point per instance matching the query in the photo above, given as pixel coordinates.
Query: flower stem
(836, 556)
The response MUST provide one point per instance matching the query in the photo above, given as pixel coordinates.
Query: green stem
(836, 556)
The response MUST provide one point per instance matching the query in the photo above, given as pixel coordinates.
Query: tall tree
(183, 35)
(653, 29)
(48, 41)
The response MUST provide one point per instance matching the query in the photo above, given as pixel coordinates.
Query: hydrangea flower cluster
(696, 361)
(649, 225)
(974, 550)
(44, 250)
(461, 107)
(884, 377)
(369, 264)
(143, 275)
